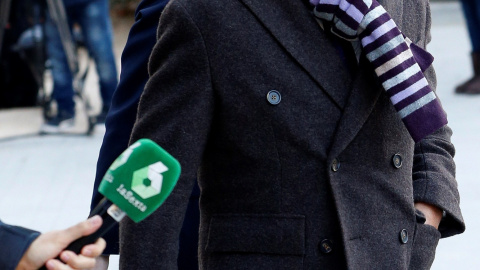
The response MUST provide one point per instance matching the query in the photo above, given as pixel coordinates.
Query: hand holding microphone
(50, 244)
(136, 184)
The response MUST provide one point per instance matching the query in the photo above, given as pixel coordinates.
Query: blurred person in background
(93, 17)
(119, 125)
(24, 249)
(471, 10)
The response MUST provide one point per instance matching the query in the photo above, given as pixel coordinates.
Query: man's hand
(49, 245)
(432, 213)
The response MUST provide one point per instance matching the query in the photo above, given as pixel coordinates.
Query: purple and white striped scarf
(398, 62)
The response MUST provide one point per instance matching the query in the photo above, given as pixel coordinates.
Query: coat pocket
(256, 241)
(424, 246)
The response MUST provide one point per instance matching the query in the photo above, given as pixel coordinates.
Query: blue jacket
(121, 118)
(70, 3)
(123, 110)
(14, 241)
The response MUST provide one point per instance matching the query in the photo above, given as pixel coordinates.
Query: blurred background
(46, 180)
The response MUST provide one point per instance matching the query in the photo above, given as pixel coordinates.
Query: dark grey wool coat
(277, 180)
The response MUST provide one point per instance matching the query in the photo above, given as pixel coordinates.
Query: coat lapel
(294, 27)
(364, 94)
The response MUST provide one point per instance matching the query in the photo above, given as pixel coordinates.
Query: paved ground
(46, 180)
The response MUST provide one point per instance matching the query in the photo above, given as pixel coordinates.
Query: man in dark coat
(302, 161)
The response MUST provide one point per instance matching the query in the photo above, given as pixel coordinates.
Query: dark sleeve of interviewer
(14, 241)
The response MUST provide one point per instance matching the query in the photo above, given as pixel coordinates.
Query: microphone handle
(108, 222)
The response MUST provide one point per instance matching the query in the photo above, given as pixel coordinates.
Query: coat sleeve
(434, 179)
(175, 111)
(14, 241)
(434, 168)
(124, 105)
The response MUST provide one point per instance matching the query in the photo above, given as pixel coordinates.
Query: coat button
(274, 97)
(335, 165)
(403, 236)
(326, 246)
(397, 161)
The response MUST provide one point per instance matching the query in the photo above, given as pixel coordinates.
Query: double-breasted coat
(301, 164)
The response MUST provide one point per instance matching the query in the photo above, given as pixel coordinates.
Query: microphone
(135, 185)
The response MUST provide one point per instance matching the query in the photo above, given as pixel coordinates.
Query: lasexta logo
(147, 181)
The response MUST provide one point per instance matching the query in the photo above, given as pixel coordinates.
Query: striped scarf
(398, 63)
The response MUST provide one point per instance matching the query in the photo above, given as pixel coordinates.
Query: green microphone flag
(137, 183)
(140, 180)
